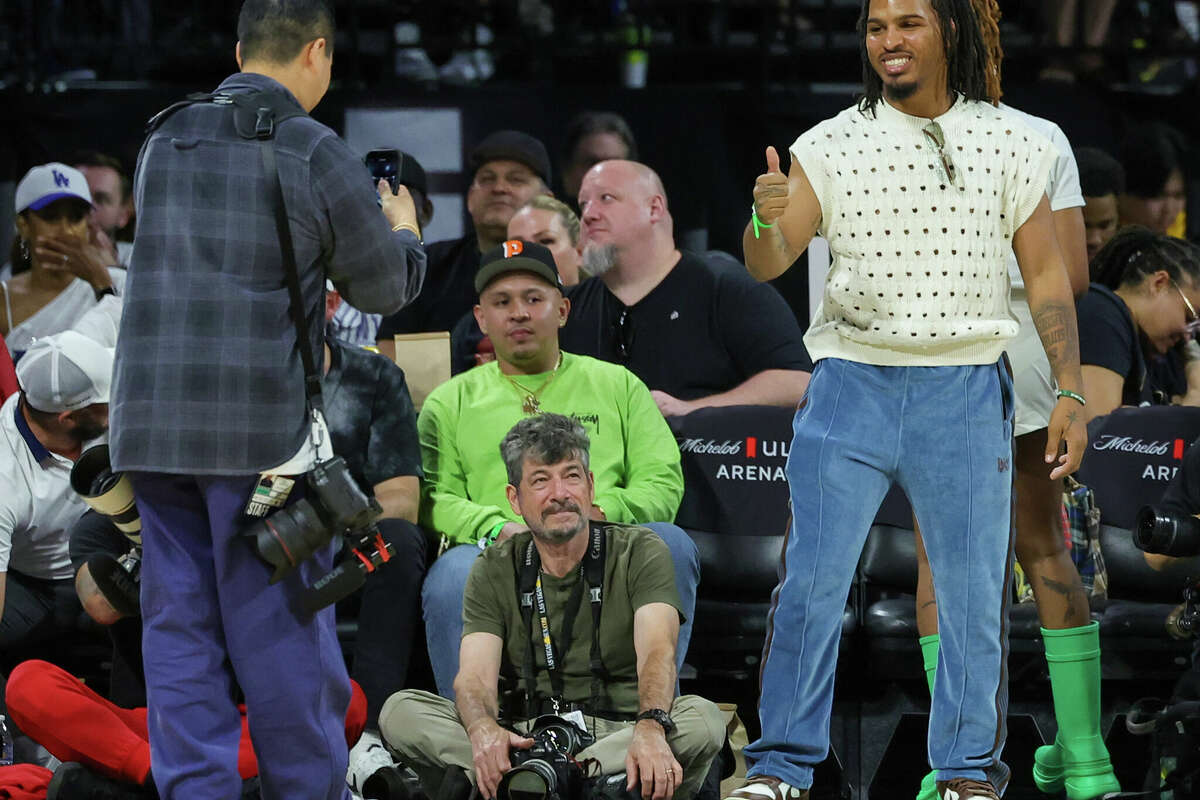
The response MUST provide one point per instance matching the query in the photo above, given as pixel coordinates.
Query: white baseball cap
(42, 185)
(65, 372)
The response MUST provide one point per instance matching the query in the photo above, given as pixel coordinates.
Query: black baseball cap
(412, 174)
(512, 146)
(516, 255)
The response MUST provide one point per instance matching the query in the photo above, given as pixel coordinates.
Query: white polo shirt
(37, 505)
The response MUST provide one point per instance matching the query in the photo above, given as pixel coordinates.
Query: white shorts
(1032, 380)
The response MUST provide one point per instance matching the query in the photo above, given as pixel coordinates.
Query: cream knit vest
(919, 272)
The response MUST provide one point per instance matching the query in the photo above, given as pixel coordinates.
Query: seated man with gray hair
(535, 642)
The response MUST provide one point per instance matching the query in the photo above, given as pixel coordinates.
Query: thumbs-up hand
(771, 191)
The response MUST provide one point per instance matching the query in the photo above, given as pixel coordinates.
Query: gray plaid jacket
(207, 378)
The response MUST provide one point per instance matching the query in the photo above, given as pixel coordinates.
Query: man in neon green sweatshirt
(634, 456)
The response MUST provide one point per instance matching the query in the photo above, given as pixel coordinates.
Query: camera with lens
(547, 770)
(110, 494)
(333, 505)
(1159, 532)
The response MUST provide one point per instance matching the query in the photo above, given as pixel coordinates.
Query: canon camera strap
(530, 594)
(257, 116)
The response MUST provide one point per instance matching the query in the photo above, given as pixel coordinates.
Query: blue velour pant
(944, 435)
(212, 622)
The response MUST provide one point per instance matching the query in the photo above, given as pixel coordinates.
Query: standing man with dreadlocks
(921, 190)
(1077, 760)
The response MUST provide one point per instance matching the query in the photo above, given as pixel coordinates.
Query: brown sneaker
(964, 789)
(765, 787)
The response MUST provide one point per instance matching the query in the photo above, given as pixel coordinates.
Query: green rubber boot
(929, 654)
(1078, 760)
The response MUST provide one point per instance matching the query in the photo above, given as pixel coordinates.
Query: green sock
(929, 655)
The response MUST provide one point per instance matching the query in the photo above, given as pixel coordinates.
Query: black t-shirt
(706, 328)
(448, 291)
(1107, 338)
(1167, 374)
(370, 416)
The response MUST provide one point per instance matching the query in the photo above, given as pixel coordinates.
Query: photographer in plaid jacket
(209, 392)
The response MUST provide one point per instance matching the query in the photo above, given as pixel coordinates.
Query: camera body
(335, 504)
(548, 769)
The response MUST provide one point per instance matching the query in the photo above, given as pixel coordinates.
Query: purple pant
(212, 623)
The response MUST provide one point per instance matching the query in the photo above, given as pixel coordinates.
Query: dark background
(726, 78)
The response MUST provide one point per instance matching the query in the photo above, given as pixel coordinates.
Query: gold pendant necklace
(530, 404)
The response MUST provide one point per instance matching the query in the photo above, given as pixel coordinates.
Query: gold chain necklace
(531, 404)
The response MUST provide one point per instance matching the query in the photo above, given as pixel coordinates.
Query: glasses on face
(623, 331)
(1193, 320)
(934, 133)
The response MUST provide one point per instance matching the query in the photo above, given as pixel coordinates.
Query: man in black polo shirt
(697, 332)
(510, 168)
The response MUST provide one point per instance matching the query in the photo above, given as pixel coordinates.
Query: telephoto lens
(108, 492)
(1166, 534)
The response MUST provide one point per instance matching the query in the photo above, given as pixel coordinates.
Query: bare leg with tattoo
(1041, 548)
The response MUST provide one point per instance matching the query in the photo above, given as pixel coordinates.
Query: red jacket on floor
(54, 708)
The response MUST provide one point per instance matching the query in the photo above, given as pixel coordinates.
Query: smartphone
(384, 164)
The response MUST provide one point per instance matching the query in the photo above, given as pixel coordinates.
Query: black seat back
(733, 469)
(1132, 455)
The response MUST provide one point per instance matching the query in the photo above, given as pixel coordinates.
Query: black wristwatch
(659, 716)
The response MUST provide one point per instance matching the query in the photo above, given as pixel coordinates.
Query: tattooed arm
(791, 206)
(1053, 309)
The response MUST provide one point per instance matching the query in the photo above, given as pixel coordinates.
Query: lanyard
(555, 655)
(531, 597)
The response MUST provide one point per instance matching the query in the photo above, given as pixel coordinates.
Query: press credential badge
(270, 493)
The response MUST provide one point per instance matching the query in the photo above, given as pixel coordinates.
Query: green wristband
(758, 224)
(489, 538)
(1073, 395)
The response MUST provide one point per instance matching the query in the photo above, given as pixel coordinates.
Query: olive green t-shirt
(637, 571)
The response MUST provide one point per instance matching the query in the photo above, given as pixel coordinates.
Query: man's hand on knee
(651, 762)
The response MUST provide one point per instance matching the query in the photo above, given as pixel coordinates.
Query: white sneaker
(367, 757)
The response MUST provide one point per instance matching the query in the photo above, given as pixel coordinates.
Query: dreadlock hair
(1137, 252)
(988, 14)
(966, 53)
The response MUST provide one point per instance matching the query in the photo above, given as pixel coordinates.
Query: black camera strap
(531, 596)
(257, 115)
